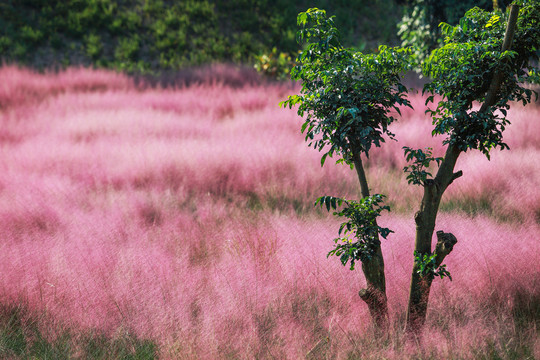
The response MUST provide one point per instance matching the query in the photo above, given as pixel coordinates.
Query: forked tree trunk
(425, 225)
(433, 192)
(374, 295)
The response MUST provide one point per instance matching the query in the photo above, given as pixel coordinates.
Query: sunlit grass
(179, 223)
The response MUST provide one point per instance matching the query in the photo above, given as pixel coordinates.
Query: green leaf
(304, 126)
(323, 158)
(493, 20)
(302, 19)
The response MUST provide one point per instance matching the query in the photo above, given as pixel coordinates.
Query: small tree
(347, 98)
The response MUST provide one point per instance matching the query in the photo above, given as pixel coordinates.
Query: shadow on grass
(22, 338)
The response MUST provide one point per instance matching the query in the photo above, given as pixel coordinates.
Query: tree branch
(495, 85)
(445, 245)
(455, 176)
(359, 167)
(445, 174)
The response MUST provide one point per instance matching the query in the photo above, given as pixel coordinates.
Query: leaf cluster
(418, 28)
(360, 232)
(417, 34)
(464, 67)
(347, 97)
(421, 159)
(426, 266)
(274, 64)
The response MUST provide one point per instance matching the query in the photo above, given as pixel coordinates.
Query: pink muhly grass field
(505, 187)
(184, 216)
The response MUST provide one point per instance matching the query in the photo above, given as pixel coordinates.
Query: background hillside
(155, 35)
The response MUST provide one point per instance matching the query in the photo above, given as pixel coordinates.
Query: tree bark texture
(374, 295)
(425, 220)
(426, 217)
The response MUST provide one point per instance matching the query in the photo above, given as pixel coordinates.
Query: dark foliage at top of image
(151, 35)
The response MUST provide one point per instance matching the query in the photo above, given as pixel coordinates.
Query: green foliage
(462, 71)
(416, 33)
(275, 65)
(30, 35)
(346, 96)
(419, 30)
(361, 226)
(427, 266)
(127, 49)
(94, 46)
(160, 35)
(421, 161)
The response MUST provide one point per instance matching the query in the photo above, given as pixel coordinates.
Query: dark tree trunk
(374, 295)
(425, 224)
(433, 191)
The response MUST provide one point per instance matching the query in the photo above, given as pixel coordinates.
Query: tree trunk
(425, 225)
(374, 295)
(433, 191)
(420, 294)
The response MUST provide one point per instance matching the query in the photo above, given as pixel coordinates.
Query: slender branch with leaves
(421, 160)
(360, 232)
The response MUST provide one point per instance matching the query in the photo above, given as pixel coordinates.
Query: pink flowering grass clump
(504, 186)
(179, 223)
(21, 86)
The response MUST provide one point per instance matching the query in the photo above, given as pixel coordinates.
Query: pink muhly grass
(487, 187)
(20, 86)
(412, 129)
(110, 139)
(185, 217)
(229, 75)
(246, 288)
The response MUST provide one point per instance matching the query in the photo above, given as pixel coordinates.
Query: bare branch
(455, 176)
(445, 245)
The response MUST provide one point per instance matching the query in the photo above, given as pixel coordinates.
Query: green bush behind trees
(147, 36)
(419, 27)
(153, 35)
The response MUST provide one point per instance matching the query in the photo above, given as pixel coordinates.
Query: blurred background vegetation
(152, 36)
